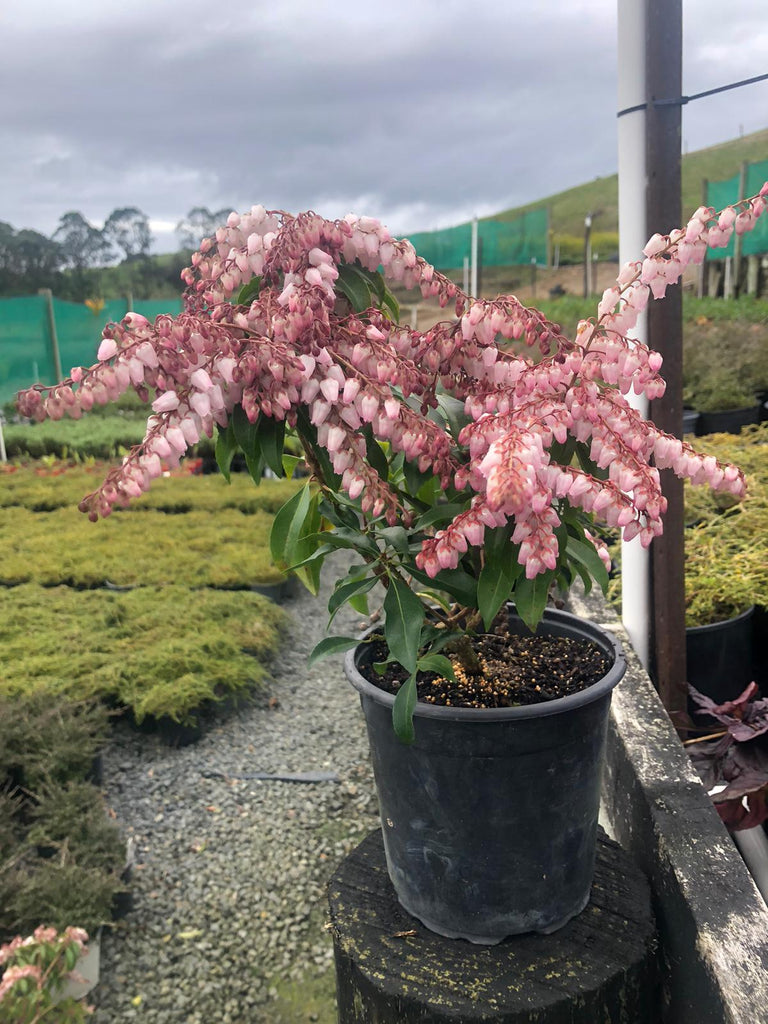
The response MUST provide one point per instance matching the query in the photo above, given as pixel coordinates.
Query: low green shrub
(158, 651)
(199, 549)
(61, 857)
(44, 740)
(726, 542)
(42, 487)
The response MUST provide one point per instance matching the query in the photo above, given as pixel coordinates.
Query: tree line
(79, 260)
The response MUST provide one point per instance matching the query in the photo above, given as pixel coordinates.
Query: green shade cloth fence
(502, 243)
(26, 344)
(726, 193)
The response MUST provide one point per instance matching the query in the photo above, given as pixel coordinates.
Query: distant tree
(199, 223)
(127, 228)
(81, 243)
(28, 261)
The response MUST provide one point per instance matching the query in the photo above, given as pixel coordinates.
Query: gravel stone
(230, 873)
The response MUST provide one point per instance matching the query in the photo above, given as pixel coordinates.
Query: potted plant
(460, 473)
(726, 571)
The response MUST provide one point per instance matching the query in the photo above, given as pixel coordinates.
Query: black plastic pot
(690, 420)
(730, 421)
(719, 656)
(490, 817)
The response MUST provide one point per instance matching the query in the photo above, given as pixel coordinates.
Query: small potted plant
(460, 473)
(726, 571)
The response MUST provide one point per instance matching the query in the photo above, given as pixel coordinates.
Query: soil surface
(509, 670)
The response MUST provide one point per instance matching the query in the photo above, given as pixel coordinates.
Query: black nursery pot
(490, 817)
(719, 657)
(729, 421)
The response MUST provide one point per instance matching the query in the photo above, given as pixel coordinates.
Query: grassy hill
(715, 163)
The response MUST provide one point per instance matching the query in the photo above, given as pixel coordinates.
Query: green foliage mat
(197, 549)
(158, 651)
(44, 487)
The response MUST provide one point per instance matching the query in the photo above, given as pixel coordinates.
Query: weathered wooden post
(391, 970)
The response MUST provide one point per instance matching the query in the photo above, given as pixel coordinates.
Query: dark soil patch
(514, 670)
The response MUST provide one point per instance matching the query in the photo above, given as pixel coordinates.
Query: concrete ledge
(712, 920)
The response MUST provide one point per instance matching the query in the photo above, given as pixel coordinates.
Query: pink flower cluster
(40, 957)
(297, 346)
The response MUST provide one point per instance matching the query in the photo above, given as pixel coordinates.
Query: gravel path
(230, 875)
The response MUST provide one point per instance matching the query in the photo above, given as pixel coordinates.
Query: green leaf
(247, 437)
(404, 614)
(531, 598)
(359, 603)
(585, 553)
(226, 446)
(287, 526)
(414, 478)
(439, 514)
(332, 645)
(494, 587)
(390, 306)
(354, 287)
(271, 439)
(374, 454)
(290, 462)
(248, 292)
(437, 663)
(396, 537)
(459, 584)
(342, 593)
(402, 711)
(308, 436)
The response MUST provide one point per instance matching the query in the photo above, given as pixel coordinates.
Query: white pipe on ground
(635, 562)
(752, 844)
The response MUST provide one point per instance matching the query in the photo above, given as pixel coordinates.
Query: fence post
(54, 338)
(701, 289)
(129, 302)
(737, 243)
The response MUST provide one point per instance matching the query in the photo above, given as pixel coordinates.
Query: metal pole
(635, 572)
(473, 260)
(664, 45)
(587, 255)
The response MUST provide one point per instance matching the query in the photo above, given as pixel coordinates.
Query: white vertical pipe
(465, 279)
(473, 260)
(635, 561)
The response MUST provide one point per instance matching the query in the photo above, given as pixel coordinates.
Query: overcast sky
(421, 112)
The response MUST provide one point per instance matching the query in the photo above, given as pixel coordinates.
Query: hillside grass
(568, 208)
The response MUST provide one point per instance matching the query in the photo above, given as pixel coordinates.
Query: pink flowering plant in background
(34, 971)
(462, 466)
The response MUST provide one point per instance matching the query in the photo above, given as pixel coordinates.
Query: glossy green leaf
(271, 434)
(332, 645)
(226, 446)
(290, 462)
(437, 663)
(402, 711)
(354, 287)
(287, 526)
(494, 587)
(396, 537)
(404, 614)
(359, 604)
(248, 292)
(247, 437)
(531, 598)
(459, 584)
(585, 553)
(342, 593)
(374, 454)
(439, 514)
(390, 306)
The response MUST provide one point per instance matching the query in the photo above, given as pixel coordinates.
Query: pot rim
(552, 619)
(716, 627)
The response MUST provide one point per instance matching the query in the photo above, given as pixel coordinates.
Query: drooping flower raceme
(288, 321)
